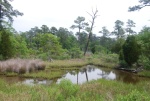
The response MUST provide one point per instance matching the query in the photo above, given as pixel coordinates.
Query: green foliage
(68, 89)
(134, 95)
(45, 29)
(81, 39)
(75, 53)
(117, 46)
(19, 46)
(6, 49)
(143, 3)
(80, 24)
(131, 50)
(48, 47)
(145, 61)
(122, 62)
(66, 38)
(12, 45)
(118, 29)
(130, 24)
(100, 49)
(121, 55)
(144, 40)
(100, 90)
(93, 49)
(145, 73)
(7, 12)
(105, 32)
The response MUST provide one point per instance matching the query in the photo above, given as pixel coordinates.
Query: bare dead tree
(0, 16)
(94, 16)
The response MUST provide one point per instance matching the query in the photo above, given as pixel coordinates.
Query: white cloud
(62, 13)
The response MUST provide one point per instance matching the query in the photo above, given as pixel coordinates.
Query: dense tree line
(46, 43)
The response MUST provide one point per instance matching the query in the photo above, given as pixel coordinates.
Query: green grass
(44, 74)
(103, 60)
(101, 90)
(145, 73)
(67, 63)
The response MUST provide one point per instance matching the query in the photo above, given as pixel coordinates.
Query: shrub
(145, 61)
(68, 89)
(134, 96)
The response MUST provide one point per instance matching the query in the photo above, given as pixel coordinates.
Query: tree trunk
(91, 28)
(86, 75)
(0, 16)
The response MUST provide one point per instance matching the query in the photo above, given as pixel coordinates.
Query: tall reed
(21, 66)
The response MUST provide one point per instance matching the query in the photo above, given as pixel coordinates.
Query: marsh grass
(100, 90)
(109, 61)
(21, 66)
(44, 74)
(55, 69)
(145, 73)
(67, 63)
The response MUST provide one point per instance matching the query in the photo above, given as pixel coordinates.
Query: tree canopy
(143, 3)
(7, 12)
(131, 50)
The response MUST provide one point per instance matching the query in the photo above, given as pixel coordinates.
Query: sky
(62, 13)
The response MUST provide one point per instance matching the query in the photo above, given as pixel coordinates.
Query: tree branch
(137, 7)
(94, 16)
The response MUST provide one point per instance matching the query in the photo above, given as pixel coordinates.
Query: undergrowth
(100, 90)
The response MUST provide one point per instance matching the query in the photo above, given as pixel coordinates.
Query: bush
(134, 96)
(68, 89)
(144, 61)
(75, 53)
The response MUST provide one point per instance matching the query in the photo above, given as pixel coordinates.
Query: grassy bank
(44, 74)
(101, 90)
(30, 68)
(104, 60)
(145, 73)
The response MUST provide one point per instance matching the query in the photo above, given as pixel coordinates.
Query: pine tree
(6, 45)
(131, 50)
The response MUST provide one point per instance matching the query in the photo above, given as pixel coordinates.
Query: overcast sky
(62, 13)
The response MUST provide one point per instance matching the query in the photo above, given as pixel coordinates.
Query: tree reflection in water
(85, 74)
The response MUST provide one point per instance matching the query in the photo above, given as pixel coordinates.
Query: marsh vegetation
(35, 65)
(21, 66)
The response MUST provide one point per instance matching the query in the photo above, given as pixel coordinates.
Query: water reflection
(127, 77)
(89, 73)
(83, 75)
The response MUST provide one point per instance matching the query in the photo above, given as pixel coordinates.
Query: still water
(85, 74)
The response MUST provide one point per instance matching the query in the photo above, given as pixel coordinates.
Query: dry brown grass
(21, 66)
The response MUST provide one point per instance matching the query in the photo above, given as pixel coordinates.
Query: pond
(85, 74)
